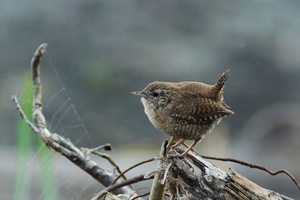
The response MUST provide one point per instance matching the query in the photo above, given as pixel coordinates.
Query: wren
(185, 110)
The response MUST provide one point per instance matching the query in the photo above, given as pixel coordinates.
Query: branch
(192, 176)
(105, 156)
(119, 185)
(56, 142)
(132, 167)
(158, 188)
(281, 171)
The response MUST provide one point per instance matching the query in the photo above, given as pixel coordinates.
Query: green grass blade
(49, 181)
(22, 182)
(24, 148)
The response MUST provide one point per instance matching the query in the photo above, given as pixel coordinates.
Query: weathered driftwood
(193, 177)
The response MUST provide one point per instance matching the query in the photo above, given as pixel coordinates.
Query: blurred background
(99, 51)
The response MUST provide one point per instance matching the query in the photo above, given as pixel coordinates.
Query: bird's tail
(221, 82)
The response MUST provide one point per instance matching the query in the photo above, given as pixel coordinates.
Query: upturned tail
(219, 86)
(221, 82)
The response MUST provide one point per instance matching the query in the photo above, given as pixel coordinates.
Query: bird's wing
(202, 111)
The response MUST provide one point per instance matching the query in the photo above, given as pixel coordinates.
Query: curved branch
(132, 167)
(281, 171)
(58, 143)
(119, 185)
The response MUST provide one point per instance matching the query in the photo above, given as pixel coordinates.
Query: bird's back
(195, 110)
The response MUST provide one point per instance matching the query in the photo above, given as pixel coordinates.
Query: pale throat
(149, 109)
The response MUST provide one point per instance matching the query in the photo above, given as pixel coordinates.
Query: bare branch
(105, 156)
(119, 185)
(37, 100)
(281, 171)
(158, 189)
(142, 195)
(132, 167)
(23, 116)
(61, 145)
(195, 177)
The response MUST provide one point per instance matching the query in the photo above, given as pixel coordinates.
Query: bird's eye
(155, 94)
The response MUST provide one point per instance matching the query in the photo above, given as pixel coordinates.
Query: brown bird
(185, 110)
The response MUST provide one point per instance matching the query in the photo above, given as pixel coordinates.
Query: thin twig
(120, 185)
(163, 181)
(87, 151)
(132, 167)
(251, 166)
(23, 116)
(255, 167)
(106, 147)
(142, 195)
(112, 162)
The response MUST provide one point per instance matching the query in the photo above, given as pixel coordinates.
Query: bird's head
(158, 94)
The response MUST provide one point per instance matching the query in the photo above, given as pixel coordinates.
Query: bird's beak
(138, 93)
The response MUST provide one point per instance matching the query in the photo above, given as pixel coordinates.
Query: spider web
(63, 118)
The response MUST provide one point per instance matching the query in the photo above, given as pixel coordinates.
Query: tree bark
(192, 177)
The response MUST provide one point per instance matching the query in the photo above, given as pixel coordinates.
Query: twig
(255, 167)
(111, 161)
(251, 166)
(23, 116)
(120, 185)
(106, 147)
(58, 143)
(158, 189)
(142, 195)
(163, 181)
(132, 167)
(37, 100)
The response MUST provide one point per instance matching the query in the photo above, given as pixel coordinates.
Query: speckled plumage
(185, 110)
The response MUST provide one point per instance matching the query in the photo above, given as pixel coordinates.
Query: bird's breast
(154, 114)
